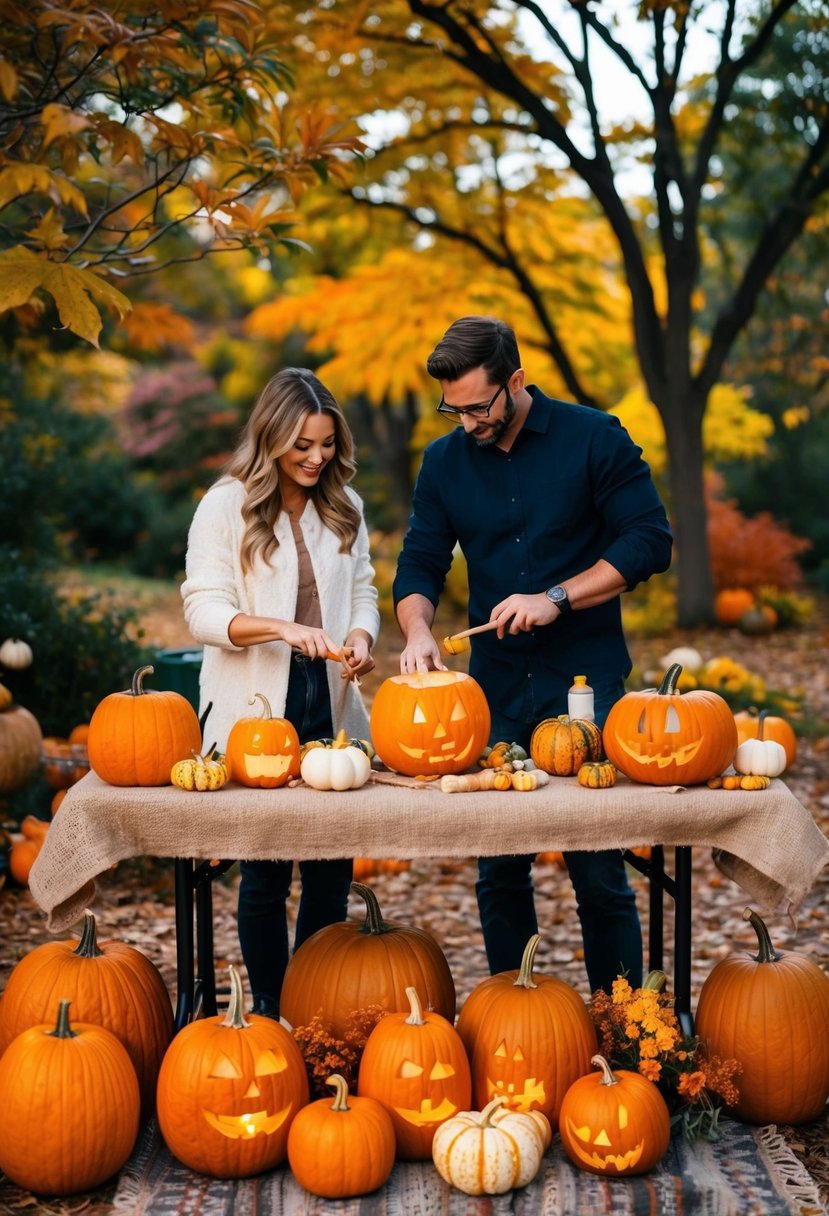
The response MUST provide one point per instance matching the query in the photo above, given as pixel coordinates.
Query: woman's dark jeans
(265, 885)
(611, 931)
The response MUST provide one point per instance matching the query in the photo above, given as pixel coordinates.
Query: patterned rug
(749, 1172)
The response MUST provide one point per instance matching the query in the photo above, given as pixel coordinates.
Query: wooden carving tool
(458, 643)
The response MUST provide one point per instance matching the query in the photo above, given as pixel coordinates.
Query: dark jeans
(265, 885)
(611, 931)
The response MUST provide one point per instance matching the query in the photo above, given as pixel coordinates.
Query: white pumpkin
(16, 654)
(491, 1151)
(335, 768)
(761, 757)
(688, 658)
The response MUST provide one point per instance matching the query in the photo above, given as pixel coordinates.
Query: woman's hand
(316, 643)
(356, 656)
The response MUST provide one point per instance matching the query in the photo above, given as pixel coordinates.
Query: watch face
(557, 594)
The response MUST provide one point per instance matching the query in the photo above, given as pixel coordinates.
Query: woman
(278, 576)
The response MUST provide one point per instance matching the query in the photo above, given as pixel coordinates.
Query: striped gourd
(561, 745)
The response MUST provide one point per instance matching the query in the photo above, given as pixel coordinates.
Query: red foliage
(750, 552)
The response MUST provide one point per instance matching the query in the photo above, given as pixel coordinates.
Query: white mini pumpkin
(15, 654)
(491, 1151)
(335, 768)
(760, 757)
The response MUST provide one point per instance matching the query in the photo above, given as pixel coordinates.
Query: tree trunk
(692, 562)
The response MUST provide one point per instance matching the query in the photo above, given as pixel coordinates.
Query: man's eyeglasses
(474, 411)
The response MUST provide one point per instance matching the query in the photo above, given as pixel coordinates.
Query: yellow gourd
(199, 773)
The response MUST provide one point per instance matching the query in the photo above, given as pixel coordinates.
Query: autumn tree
(139, 134)
(489, 134)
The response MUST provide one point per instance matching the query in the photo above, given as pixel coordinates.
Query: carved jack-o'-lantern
(228, 1091)
(431, 722)
(528, 1037)
(663, 737)
(614, 1122)
(416, 1065)
(263, 751)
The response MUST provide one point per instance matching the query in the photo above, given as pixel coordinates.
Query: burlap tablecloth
(765, 840)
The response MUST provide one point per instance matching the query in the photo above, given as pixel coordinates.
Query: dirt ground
(135, 902)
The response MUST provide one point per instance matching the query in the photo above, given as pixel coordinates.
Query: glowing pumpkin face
(614, 1122)
(228, 1091)
(415, 1065)
(662, 737)
(528, 1037)
(263, 752)
(431, 722)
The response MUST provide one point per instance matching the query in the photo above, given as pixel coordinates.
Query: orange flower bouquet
(639, 1030)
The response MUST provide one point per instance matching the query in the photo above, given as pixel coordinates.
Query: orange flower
(691, 1084)
(651, 1069)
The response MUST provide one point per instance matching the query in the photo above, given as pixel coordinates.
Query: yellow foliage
(74, 290)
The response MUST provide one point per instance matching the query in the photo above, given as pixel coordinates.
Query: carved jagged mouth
(678, 756)
(427, 1112)
(245, 1127)
(621, 1162)
(266, 766)
(419, 753)
(522, 1100)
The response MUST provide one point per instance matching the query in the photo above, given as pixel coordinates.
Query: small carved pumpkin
(430, 722)
(228, 1090)
(528, 1037)
(263, 752)
(614, 1122)
(135, 737)
(490, 1151)
(348, 966)
(342, 1148)
(561, 745)
(74, 1127)
(663, 737)
(416, 1065)
(770, 1011)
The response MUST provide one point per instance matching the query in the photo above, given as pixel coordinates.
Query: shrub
(750, 552)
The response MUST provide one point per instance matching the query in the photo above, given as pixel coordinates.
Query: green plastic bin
(178, 671)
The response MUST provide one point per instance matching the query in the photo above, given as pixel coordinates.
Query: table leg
(682, 937)
(656, 908)
(185, 980)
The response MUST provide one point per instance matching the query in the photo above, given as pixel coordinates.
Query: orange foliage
(324, 1054)
(750, 552)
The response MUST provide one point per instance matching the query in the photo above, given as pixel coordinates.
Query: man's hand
(421, 654)
(521, 613)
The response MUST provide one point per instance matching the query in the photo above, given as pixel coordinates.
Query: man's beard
(498, 428)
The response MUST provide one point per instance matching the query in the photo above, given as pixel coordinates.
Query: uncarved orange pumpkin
(430, 722)
(770, 1011)
(342, 1148)
(731, 603)
(416, 1065)
(528, 1037)
(228, 1090)
(614, 1122)
(69, 1106)
(110, 984)
(20, 744)
(135, 737)
(262, 752)
(660, 736)
(349, 966)
(562, 745)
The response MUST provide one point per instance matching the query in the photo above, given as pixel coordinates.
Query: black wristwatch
(559, 597)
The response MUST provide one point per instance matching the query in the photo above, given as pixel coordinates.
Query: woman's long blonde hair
(271, 430)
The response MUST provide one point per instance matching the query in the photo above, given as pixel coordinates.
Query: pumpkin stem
(655, 980)
(62, 1028)
(490, 1108)
(608, 1075)
(760, 724)
(137, 685)
(374, 923)
(668, 685)
(338, 1084)
(235, 1017)
(88, 946)
(767, 952)
(341, 739)
(266, 705)
(525, 974)
(416, 1017)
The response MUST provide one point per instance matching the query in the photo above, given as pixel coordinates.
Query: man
(557, 515)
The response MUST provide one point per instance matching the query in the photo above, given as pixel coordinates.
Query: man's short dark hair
(472, 342)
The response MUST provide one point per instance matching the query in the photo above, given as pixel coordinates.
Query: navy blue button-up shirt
(572, 489)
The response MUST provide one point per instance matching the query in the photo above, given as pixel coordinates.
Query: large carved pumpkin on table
(416, 1065)
(228, 1090)
(347, 966)
(528, 1037)
(660, 736)
(430, 722)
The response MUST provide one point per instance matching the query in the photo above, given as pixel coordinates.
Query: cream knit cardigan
(215, 590)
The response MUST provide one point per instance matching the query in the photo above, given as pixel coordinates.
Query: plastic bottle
(580, 699)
